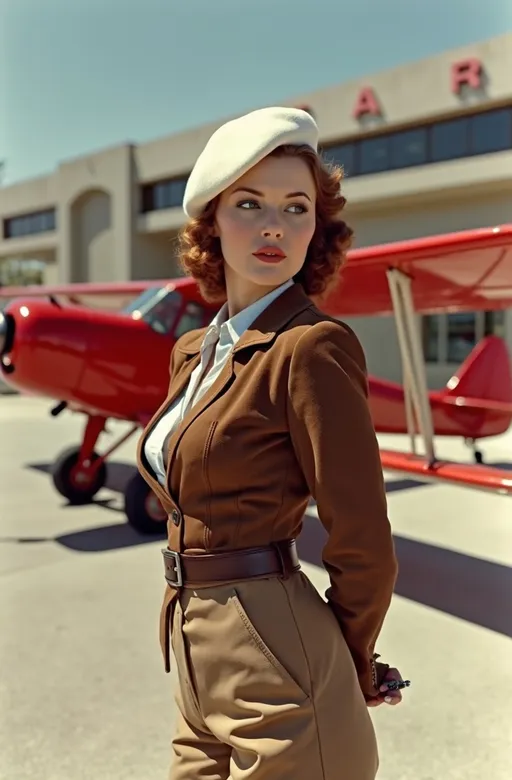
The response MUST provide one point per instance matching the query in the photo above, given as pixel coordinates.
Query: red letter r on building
(466, 72)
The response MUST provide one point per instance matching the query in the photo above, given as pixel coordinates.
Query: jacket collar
(272, 320)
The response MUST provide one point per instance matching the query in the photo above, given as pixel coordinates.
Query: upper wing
(465, 271)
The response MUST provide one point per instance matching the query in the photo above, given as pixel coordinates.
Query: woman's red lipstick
(270, 254)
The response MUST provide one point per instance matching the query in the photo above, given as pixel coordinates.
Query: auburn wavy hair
(200, 253)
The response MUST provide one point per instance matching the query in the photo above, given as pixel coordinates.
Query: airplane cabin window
(193, 317)
(162, 315)
(140, 303)
(158, 307)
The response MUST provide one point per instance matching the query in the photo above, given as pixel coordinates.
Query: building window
(449, 338)
(491, 132)
(166, 194)
(449, 139)
(494, 323)
(343, 154)
(20, 271)
(408, 148)
(374, 155)
(430, 338)
(30, 224)
(461, 336)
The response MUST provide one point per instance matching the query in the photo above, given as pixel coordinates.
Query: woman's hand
(386, 696)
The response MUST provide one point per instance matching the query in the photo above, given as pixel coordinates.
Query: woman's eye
(251, 204)
(245, 203)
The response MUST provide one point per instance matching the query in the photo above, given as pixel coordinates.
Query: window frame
(357, 145)
(484, 325)
(37, 222)
(162, 190)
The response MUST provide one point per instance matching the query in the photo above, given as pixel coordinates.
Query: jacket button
(176, 517)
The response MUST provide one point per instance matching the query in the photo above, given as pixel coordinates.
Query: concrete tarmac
(83, 693)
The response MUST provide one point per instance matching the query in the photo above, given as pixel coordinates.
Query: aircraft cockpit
(168, 312)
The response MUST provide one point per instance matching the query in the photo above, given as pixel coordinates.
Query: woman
(267, 407)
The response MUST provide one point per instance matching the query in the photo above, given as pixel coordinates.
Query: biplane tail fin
(485, 374)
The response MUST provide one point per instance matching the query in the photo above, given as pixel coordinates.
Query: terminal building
(427, 149)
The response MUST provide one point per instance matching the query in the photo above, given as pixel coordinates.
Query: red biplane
(63, 343)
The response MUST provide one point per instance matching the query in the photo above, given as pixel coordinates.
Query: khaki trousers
(267, 688)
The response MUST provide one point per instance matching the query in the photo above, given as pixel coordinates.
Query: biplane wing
(466, 271)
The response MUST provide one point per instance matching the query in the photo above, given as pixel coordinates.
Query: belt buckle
(173, 569)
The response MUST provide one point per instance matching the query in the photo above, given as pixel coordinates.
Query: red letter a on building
(366, 103)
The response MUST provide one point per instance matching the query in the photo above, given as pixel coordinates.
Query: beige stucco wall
(27, 196)
(93, 237)
(154, 256)
(110, 173)
(385, 223)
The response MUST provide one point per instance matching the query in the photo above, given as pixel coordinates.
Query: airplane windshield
(161, 308)
(145, 301)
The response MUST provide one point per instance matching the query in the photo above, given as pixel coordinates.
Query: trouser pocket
(272, 645)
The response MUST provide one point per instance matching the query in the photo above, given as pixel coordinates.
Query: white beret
(241, 143)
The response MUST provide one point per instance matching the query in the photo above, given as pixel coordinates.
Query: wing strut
(417, 404)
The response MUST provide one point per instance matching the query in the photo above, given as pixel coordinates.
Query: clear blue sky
(79, 75)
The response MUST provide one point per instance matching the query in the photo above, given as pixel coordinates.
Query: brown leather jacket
(286, 419)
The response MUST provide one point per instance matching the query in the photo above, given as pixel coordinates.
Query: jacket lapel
(274, 318)
(263, 330)
(178, 384)
(198, 408)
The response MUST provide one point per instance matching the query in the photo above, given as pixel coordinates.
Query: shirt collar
(233, 327)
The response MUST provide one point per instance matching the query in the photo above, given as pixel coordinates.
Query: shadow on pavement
(118, 473)
(505, 465)
(101, 539)
(104, 538)
(469, 588)
(466, 587)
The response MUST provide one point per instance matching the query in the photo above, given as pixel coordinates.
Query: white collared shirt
(221, 336)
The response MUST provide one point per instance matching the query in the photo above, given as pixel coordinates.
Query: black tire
(70, 488)
(143, 509)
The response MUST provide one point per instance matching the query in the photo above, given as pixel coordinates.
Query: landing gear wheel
(479, 456)
(143, 509)
(76, 484)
